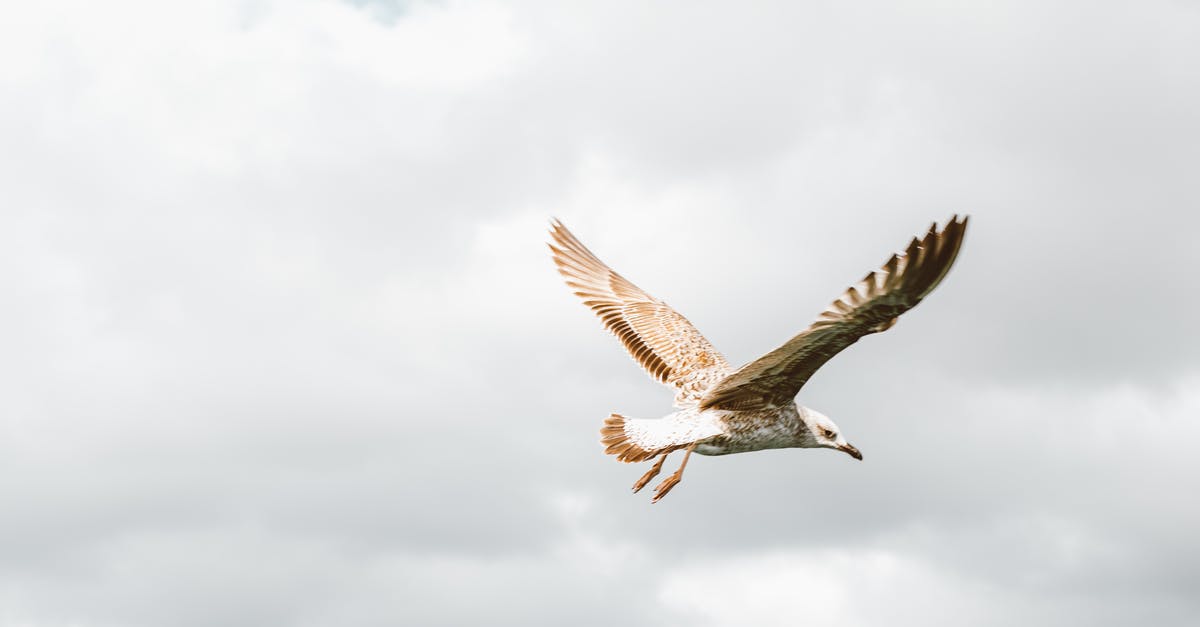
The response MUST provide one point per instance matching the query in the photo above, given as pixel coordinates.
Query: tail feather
(617, 442)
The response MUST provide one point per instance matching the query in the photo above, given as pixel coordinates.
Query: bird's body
(723, 432)
(723, 410)
(757, 430)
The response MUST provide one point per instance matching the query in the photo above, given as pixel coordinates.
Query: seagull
(722, 410)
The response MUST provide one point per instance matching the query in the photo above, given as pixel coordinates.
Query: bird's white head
(825, 433)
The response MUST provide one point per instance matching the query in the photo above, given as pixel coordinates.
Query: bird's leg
(670, 482)
(652, 473)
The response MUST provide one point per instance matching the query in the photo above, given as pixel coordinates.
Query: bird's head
(826, 434)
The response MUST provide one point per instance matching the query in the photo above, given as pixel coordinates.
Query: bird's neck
(803, 431)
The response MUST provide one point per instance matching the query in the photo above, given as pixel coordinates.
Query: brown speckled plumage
(721, 410)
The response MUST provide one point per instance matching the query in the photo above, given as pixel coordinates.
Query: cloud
(283, 344)
(825, 588)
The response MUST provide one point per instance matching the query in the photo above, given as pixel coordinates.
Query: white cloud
(826, 589)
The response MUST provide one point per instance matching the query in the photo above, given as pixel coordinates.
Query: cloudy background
(281, 343)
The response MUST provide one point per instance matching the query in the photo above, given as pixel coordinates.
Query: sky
(283, 345)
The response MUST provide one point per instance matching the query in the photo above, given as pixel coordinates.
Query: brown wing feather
(871, 306)
(657, 336)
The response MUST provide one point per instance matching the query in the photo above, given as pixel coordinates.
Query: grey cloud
(283, 344)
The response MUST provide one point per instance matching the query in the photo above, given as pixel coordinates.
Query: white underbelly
(753, 431)
(758, 440)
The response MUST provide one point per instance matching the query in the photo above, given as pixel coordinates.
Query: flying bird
(722, 410)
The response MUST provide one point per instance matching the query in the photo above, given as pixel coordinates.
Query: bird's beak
(851, 451)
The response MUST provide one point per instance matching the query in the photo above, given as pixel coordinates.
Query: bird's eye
(830, 434)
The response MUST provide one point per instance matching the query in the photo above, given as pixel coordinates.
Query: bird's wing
(869, 307)
(657, 336)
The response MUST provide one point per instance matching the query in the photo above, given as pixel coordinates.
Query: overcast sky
(281, 343)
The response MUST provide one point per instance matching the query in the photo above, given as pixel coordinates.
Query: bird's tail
(618, 440)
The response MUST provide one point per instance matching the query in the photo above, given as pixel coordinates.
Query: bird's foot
(666, 486)
(650, 474)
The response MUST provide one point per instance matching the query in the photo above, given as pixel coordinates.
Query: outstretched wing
(869, 307)
(657, 337)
